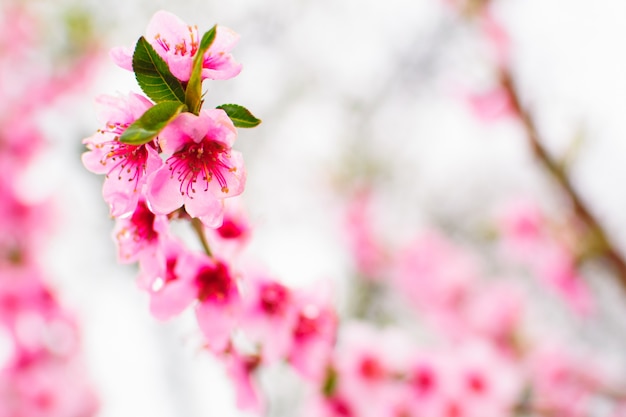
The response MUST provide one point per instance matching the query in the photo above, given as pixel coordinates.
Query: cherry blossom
(202, 170)
(177, 43)
(125, 165)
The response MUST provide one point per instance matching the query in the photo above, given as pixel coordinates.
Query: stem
(582, 212)
(198, 227)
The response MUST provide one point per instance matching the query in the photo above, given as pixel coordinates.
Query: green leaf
(150, 124)
(240, 116)
(154, 76)
(193, 94)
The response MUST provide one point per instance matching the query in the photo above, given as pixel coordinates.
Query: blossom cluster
(41, 366)
(186, 170)
(470, 346)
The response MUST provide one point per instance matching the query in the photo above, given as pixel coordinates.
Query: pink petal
(180, 66)
(163, 194)
(186, 126)
(216, 324)
(120, 195)
(204, 204)
(122, 56)
(92, 159)
(222, 69)
(172, 299)
(225, 40)
(166, 26)
(219, 126)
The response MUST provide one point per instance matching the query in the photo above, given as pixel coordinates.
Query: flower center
(200, 162)
(214, 283)
(370, 368)
(230, 229)
(423, 380)
(274, 298)
(308, 323)
(143, 222)
(126, 161)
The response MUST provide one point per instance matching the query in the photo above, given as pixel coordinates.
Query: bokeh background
(347, 89)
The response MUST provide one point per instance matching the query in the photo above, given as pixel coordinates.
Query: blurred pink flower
(436, 277)
(313, 334)
(241, 368)
(528, 239)
(269, 314)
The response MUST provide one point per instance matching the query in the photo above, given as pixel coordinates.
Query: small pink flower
(241, 368)
(230, 239)
(268, 317)
(368, 364)
(138, 233)
(436, 276)
(125, 165)
(202, 169)
(195, 278)
(313, 334)
(177, 43)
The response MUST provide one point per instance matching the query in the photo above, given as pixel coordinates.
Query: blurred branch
(605, 248)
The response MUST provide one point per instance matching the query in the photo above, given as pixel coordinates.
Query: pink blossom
(369, 363)
(230, 239)
(241, 368)
(22, 290)
(436, 277)
(40, 384)
(202, 170)
(125, 165)
(496, 312)
(138, 233)
(313, 334)
(562, 381)
(269, 315)
(156, 270)
(177, 43)
(194, 278)
(527, 238)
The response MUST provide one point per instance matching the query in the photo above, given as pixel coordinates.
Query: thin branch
(606, 249)
(198, 227)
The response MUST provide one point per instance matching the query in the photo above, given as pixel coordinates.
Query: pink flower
(368, 364)
(138, 233)
(313, 334)
(528, 238)
(269, 315)
(496, 312)
(436, 276)
(202, 169)
(177, 43)
(125, 165)
(156, 268)
(241, 368)
(230, 239)
(41, 384)
(563, 381)
(196, 278)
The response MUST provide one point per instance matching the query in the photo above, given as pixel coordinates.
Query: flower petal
(163, 194)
